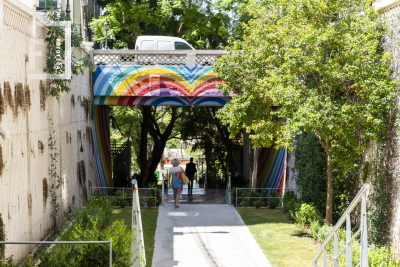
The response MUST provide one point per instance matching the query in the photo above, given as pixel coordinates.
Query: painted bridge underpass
(161, 78)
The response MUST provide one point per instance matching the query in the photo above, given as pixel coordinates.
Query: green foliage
(287, 197)
(2, 235)
(240, 192)
(55, 179)
(245, 200)
(90, 254)
(55, 51)
(305, 215)
(206, 25)
(154, 196)
(120, 200)
(251, 199)
(314, 70)
(9, 262)
(97, 208)
(380, 197)
(381, 257)
(311, 167)
(377, 256)
(315, 227)
(258, 203)
(293, 205)
(273, 201)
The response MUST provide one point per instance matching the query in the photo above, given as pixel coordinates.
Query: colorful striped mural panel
(102, 149)
(160, 101)
(271, 168)
(156, 81)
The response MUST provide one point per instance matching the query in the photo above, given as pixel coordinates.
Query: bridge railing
(156, 57)
(361, 196)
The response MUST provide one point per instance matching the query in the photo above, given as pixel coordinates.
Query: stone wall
(31, 118)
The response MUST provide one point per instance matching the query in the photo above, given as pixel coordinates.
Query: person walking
(190, 171)
(175, 180)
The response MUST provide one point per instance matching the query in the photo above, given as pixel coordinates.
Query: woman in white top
(175, 180)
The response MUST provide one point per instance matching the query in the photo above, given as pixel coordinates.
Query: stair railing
(361, 196)
(137, 247)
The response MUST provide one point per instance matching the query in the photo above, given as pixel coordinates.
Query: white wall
(26, 214)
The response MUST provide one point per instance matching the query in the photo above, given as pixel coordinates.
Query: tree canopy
(204, 24)
(313, 64)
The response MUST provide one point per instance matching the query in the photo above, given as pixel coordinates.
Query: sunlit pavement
(204, 235)
(198, 196)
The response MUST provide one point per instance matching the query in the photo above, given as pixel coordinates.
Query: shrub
(233, 196)
(315, 227)
(98, 208)
(154, 196)
(264, 199)
(305, 215)
(287, 197)
(120, 200)
(251, 199)
(93, 254)
(273, 201)
(293, 206)
(381, 257)
(258, 203)
(245, 201)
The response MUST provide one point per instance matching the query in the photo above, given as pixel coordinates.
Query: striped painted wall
(271, 168)
(102, 149)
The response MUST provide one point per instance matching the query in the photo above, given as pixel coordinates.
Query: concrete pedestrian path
(204, 235)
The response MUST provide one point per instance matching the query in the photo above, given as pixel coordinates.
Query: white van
(149, 42)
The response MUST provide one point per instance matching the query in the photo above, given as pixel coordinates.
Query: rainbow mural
(146, 85)
(102, 149)
(157, 85)
(271, 170)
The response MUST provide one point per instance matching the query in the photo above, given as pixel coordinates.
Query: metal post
(364, 236)
(68, 10)
(335, 250)
(236, 197)
(325, 261)
(162, 189)
(349, 256)
(110, 251)
(229, 190)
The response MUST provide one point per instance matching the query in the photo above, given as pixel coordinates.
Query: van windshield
(182, 46)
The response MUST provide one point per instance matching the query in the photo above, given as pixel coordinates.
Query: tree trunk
(224, 134)
(143, 162)
(329, 198)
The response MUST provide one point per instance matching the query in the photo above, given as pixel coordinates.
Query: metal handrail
(137, 247)
(123, 190)
(361, 195)
(61, 242)
(268, 197)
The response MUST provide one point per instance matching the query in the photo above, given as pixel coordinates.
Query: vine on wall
(55, 179)
(55, 50)
(2, 235)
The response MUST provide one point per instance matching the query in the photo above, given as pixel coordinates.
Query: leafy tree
(206, 25)
(209, 133)
(149, 128)
(313, 64)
